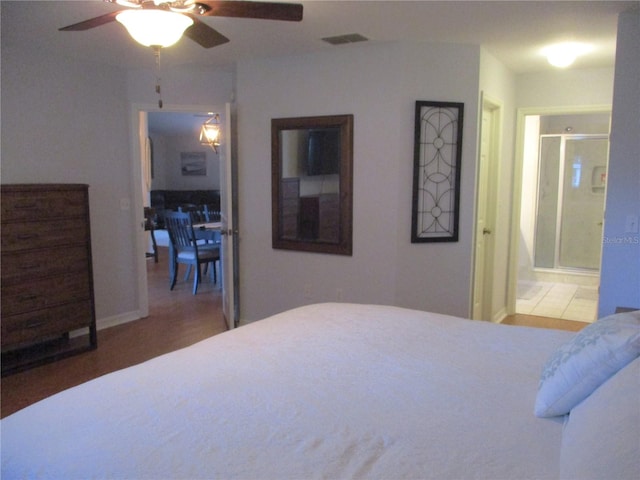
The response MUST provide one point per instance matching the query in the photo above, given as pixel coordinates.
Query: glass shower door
(570, 209)
(582, 210)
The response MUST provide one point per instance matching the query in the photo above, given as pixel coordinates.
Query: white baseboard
(103, 323)
(500, 315)
(108, 322)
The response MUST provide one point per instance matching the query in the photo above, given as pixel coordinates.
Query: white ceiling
(513, 31)
(175, 123)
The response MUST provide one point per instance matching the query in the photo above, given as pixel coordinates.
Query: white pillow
(579, 366)
(601, 436)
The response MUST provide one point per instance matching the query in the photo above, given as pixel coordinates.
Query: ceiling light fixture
(562, 55)
(210, 132)
(154, 27)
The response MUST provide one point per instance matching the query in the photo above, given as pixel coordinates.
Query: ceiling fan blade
(291, 12)
(91, 23)
(204, 35)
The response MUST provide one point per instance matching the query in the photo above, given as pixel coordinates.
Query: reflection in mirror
(311, 183)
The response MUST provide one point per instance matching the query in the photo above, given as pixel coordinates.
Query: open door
(483, 279)
(229, 219)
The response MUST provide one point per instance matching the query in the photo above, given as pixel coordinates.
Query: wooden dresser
(47, 305)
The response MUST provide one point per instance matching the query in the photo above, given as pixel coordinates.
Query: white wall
(57, 129)
(379, 86)
(620, 274)
(570, 87)
(167, 162)
(182, 86)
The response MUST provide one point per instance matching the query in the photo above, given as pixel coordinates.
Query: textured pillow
(579, 366)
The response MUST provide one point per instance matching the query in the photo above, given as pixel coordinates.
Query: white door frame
(516, 211)
(139, 132)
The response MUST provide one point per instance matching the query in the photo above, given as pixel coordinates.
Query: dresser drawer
(29, 235)
(42, 205)
(44, 293)
(34, 326)
(20, 267)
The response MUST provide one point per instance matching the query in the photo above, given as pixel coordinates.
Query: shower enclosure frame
(559, 203)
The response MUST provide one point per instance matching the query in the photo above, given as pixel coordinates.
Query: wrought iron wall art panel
(436, 171)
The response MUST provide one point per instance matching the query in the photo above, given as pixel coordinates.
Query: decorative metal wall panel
(436, 171)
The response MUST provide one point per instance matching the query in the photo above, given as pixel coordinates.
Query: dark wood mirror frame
(312, 183)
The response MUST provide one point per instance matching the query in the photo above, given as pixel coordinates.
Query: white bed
(336, 391)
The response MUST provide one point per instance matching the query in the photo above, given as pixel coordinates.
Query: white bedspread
(325, 391)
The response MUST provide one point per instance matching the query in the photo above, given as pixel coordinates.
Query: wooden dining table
(209, 231)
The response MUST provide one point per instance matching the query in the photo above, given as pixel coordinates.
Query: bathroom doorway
(564, 174)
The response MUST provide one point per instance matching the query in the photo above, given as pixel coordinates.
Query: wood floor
(176, 319)
(544, 322)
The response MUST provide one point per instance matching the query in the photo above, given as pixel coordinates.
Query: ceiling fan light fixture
(154, 28)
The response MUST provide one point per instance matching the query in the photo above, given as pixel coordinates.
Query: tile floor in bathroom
(558, 300)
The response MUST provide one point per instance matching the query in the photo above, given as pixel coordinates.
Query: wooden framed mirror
(311, 183)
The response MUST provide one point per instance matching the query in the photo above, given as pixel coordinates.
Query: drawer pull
(35, 323)
(25, 206)
(29, 267)
(27, 236)
(28, 298)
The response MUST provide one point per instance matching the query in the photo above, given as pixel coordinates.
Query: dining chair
(211, 213)
(186, 250)
(196, 211)
(150, 225)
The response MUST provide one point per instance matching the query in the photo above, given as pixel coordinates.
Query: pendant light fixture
(210, 132)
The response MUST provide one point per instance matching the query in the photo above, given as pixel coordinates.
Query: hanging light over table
(210, 132)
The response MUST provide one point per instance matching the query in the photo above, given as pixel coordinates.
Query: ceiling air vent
(348, 38)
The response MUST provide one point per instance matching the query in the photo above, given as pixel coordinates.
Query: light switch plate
(631, 225)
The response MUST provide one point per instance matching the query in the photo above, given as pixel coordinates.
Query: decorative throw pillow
(579, 366)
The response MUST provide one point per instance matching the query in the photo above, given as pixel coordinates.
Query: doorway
(564, 167)
(181, 125)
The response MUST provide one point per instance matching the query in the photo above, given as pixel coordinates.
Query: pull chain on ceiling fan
(161, 23)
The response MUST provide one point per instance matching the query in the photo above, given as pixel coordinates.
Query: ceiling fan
(185, 13)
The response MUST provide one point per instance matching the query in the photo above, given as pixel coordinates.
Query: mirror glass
(311, 182)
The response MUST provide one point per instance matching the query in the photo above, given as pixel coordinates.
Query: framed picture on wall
(193, 163)
(436, 171)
